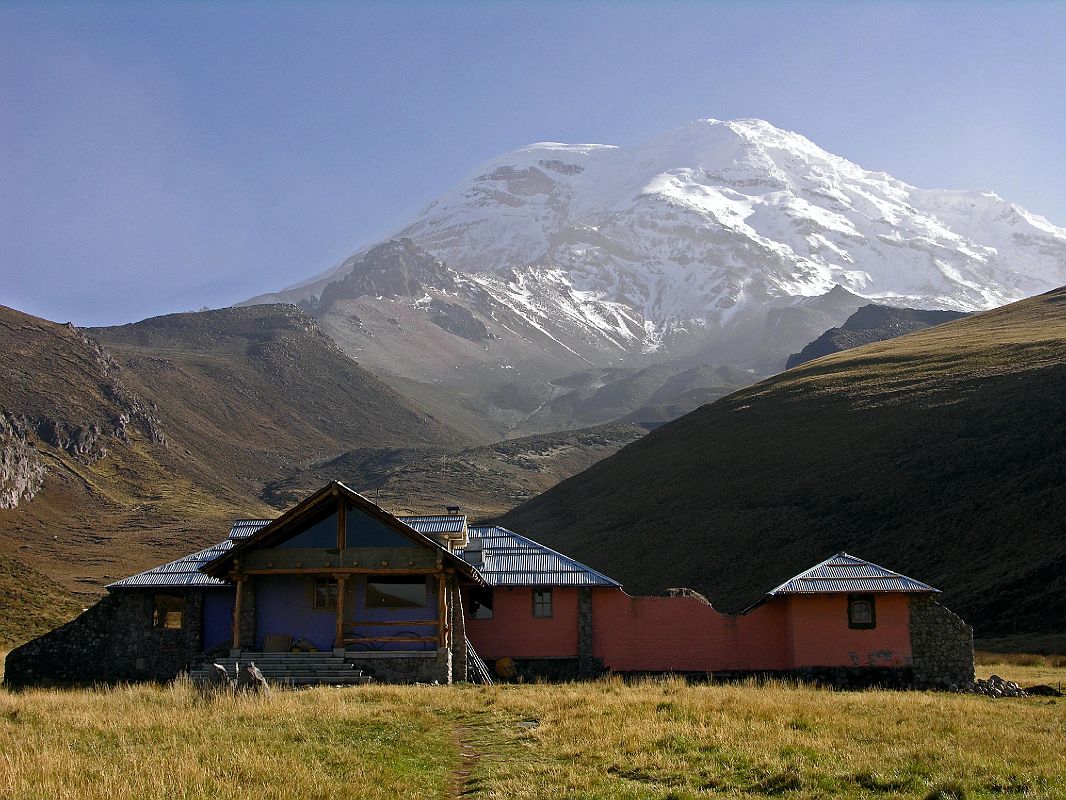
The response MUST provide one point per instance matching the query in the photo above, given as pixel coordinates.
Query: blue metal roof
(243, 528)
(510, 559)
(847, 573)
(440, 523)
(183, 572)
(507, 558)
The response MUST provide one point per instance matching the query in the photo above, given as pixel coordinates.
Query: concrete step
(292, 669)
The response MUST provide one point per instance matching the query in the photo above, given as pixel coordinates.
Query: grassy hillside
(645, 741)
(152, 437)
(484, 481)
(941, 454)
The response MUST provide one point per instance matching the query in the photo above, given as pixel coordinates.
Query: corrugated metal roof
(440, 523)
(185, 571)
(847, 573)
(243, 528)
(510, 559)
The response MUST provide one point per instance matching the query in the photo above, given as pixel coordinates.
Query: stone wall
(410, 667)
(941, 646)
(112, 641)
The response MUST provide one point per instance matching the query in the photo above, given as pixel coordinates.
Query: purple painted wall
(355, 611)
(217, 617)
(285, 605)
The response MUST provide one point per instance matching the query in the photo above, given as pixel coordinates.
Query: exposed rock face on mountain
(872, 323)
(21, 470)
(939, 453)
(395, 268)
(717, 243)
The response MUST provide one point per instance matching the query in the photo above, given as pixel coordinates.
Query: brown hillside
(941, 454)
(152, 437)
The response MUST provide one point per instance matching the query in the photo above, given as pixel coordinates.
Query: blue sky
(162, 157)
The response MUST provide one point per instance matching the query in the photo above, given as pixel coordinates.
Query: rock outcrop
(21, 470)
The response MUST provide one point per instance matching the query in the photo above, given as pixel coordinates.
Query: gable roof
(263, 535)
(510, 559)
(219, 568)
(847, 573)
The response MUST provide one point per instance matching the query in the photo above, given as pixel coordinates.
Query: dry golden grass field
(608, 739)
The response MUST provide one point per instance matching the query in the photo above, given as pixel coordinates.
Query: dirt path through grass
(465, 785)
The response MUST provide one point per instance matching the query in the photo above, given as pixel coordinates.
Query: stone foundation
(941, 646)
(110, 642)
(412, 667)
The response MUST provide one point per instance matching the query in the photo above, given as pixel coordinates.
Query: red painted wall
(514, 631)
(662, 634)
(820, 636)
(653, 634)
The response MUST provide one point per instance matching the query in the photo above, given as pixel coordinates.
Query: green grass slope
(941, 454)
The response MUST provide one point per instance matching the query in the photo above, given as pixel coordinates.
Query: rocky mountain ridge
(872, 323)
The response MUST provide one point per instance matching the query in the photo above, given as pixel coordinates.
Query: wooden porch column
(339, 639)
(237, 612)
(443, 629)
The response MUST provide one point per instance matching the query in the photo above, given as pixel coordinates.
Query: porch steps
(290, 669)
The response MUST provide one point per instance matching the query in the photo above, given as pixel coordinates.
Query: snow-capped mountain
(701, 243)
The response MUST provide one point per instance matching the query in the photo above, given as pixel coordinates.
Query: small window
(542, 603)
(395, 592)
(325, 594)
(168, 611)
(481, 603)
(861, 611)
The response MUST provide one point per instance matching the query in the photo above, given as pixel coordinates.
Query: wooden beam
(396, 623)
(442, 608)
(339, 638)
(391, 639)
(237, 613)
(344, 571)
(342, 509)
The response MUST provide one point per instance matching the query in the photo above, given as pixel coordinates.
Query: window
(481, 603)
(168, 611)
(861, 611)
(325, 594)
(395, 592)
(542, 603)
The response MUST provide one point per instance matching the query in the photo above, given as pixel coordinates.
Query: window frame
(545, 601)
(330, 593)
(396, 580)
(161, 615)
(481, 601)
(856, 599)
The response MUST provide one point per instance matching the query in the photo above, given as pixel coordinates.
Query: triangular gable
(302, 524)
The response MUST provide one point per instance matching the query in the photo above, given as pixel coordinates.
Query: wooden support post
(237, 613)
(341, 523)
(339, 639)
(442, 609)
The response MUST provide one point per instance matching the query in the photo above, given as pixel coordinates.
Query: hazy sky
(162, 157)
